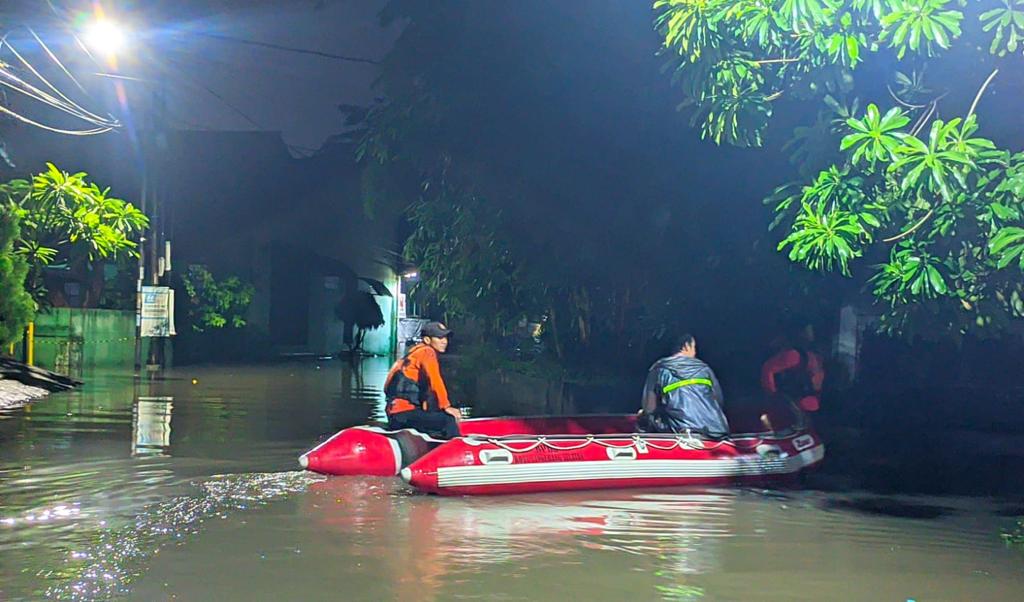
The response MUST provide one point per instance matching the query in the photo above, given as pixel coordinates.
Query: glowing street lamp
(105, 37)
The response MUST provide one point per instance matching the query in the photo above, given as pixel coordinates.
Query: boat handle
(622, 453)
(495, 456)
(803, 442)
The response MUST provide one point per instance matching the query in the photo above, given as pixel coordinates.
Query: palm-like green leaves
(1008, 21)
(911, 272)
(732, 104)
(690, 26)
(824, 239)
(874, 8)
(758, 22)
(938, 161)
(917, 25)
(952, 181)
(802, 15)
(66, 218)
(944, 205)
(1008, 246)
(875, 137)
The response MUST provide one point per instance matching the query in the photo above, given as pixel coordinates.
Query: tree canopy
(16, 306)
(68, 223)
(215, 303)
(540, 180)
(901, 188)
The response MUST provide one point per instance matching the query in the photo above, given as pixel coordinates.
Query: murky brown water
(170, 490)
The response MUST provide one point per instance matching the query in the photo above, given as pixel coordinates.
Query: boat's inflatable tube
(367, 450)
(481, 464)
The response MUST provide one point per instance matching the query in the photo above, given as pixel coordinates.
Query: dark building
(241, 204)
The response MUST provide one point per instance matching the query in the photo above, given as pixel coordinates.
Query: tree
(69, 224)
(935, 207)
(215, 304)
(539, 181)
(16, 306)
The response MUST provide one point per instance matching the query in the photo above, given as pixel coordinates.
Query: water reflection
(77, 464)
(94, 482)
(151, 427)
(438, 540)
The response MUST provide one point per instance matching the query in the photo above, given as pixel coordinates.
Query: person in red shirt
(416, 394)
(796, 373)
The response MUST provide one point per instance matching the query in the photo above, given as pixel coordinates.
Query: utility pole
(140, 277)
(153, 257)
(155, 176)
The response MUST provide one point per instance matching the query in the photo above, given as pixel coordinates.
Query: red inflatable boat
(368, 450)
(523, 455)
(371, 450)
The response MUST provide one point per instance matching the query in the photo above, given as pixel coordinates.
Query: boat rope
(680, 441)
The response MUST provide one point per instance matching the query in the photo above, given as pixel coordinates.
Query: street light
(106, 37)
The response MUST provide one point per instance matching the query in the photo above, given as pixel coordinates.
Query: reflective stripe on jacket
(687, 395)
(415, 382)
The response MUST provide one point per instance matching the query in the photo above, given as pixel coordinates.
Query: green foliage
(1008, 244)
(466, 264)
(16, 305)
(824, 239)
(945, 204)
(214, 303)
(875, 137)
(587, 237)
(1008, 21)
(920, 25)
(69, 223)
(746, 55)
(936, 208)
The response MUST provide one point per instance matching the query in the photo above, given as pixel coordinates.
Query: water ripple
(107, 568)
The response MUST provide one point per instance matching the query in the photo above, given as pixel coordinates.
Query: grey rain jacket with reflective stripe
(694, 406)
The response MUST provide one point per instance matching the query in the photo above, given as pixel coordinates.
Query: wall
(72, 340)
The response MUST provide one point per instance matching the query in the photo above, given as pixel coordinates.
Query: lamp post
(109, 40)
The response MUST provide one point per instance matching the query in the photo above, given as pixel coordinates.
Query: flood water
(187, 488)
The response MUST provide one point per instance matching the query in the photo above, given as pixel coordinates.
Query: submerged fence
(73, 340)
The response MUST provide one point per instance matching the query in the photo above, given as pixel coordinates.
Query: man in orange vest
(416, 394)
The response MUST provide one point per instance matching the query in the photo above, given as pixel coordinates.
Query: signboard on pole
(157, 311)
(401, 305)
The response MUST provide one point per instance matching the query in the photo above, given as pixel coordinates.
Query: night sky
(227, 85)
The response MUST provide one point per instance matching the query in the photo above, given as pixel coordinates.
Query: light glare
(105, 36)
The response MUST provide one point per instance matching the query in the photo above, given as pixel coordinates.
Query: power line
(329, 55)
(295, 148)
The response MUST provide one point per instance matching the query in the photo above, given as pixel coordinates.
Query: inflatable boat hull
(483, 465)
(367, 450)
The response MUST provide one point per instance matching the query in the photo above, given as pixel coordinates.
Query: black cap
(434, 329)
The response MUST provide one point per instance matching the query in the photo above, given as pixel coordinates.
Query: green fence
(71, 340)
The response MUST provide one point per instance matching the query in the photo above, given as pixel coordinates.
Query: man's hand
(454, 411)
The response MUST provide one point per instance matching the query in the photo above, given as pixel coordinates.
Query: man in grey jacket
(682, 393)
